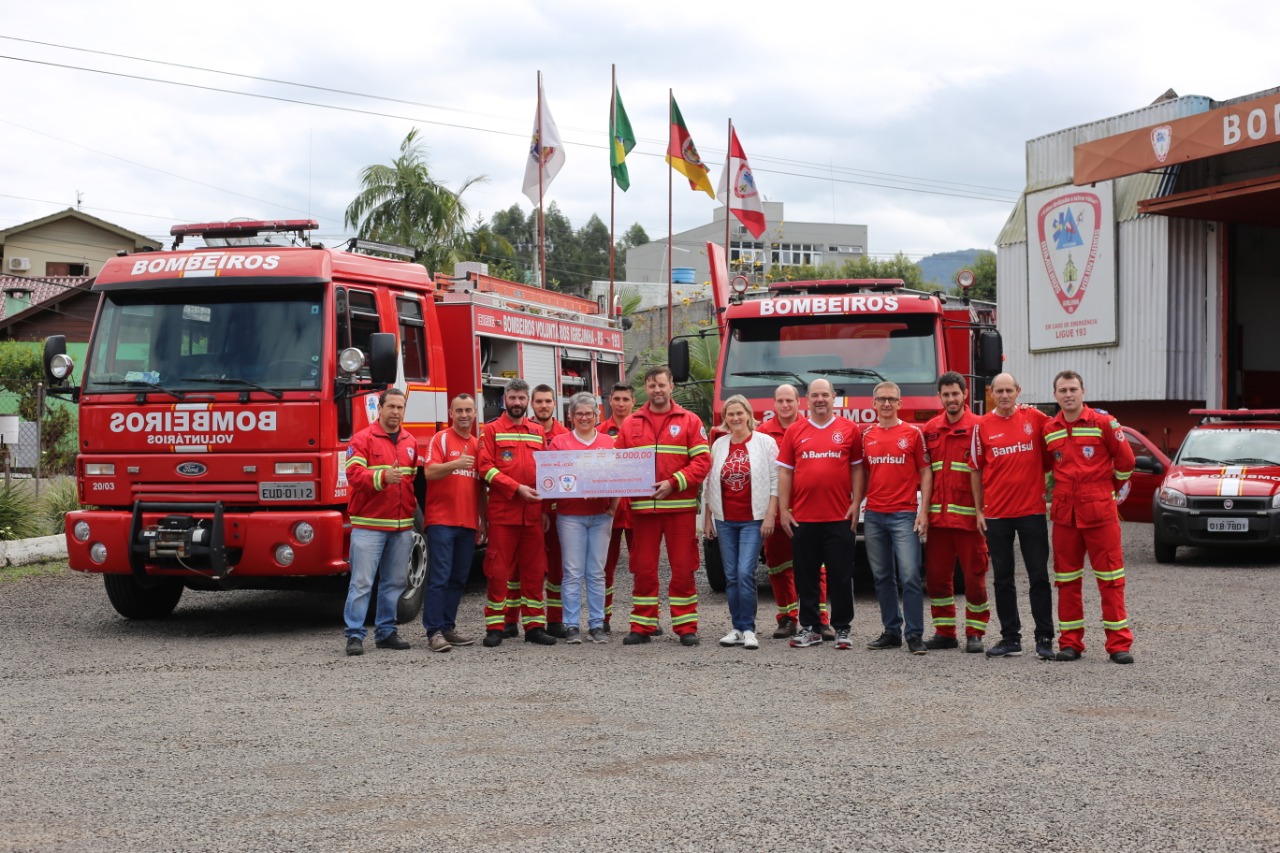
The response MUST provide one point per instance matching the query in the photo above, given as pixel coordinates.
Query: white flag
(545, 150)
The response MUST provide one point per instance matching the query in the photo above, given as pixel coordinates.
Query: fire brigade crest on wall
(1069, 231)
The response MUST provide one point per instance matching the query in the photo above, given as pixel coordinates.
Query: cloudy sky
(910, 117)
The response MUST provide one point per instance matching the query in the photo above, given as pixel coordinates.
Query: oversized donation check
(595, 473)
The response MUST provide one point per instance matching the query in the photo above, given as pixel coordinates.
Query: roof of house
(139, 240)
(47, 291)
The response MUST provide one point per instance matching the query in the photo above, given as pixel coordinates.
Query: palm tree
(402, 203)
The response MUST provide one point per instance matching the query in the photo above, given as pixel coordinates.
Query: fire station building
(1144, 253)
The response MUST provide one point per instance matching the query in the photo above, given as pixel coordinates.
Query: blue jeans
(584, 544)
(383, 555)
(739, 552)
(892, 544)
(449, 553)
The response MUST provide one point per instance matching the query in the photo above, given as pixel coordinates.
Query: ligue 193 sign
(1071, 268)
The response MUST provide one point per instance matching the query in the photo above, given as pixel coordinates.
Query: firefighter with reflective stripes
(543, 403)
(1091, 463)
(953, 522)
(682, 461)
(381, 461)
(515, 562)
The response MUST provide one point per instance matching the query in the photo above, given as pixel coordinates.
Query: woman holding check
(740, 508)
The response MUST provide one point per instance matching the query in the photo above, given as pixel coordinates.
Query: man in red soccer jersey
(953, 527)
(543, 404)
(1008, 491)
(1091, 460)
(897, 466)
(819, 490)
(622, 402)
(454, 516)
(777, 548)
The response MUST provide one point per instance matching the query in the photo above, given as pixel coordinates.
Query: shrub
(20, 516)
(58, 497)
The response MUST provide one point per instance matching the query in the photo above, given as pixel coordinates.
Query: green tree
(402, 203)
(984, 273)
(593, 248)
(21, 368)
(899, 266)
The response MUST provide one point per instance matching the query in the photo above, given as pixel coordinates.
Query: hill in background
(941, 268)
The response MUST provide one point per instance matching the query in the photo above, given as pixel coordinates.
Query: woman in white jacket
(740, 506)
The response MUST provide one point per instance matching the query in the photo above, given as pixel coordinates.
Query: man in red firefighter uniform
(953, 522)
(682, 461)
(777, 548)
(516, 556)
(543, 403)
(1091, 461)
(622, 402)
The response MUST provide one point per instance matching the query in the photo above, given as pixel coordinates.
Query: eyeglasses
(584, 416)
(885, 401)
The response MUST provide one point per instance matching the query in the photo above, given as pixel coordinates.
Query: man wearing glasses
(894, 455)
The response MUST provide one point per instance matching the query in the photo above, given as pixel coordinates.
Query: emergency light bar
(1237, 414)
(356, 244)
(240, 228)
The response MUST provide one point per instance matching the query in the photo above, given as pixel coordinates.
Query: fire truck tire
(711, 561)
(134, 601)
(410, 603)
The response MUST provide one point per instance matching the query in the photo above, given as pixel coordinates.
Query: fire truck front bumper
(207, 540)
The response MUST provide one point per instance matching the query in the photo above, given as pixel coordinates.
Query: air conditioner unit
(19, 264)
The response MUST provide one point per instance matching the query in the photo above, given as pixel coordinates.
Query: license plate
(1228, 525)
(286, 491)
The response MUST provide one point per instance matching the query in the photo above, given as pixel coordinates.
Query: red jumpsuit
(777, 558)
(621, 530)
(515, 562)
(953, 529)
(1090, 460)
(555, 562)
(682, 459)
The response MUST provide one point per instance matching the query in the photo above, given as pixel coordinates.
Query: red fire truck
(223, 383)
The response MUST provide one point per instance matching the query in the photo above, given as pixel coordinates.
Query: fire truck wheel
(410, 603)
(134, 601)
(715, 568)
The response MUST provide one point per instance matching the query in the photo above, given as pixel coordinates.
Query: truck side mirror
(383, 356)
(678, 359)
(990, 353)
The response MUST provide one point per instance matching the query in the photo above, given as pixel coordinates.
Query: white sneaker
(733, 638)
(749, 640)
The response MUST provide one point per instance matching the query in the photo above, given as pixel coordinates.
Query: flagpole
(613, 189)
(728, 192)
(671, 98)
(542, 219)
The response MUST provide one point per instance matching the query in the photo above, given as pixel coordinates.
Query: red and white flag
(738, 188)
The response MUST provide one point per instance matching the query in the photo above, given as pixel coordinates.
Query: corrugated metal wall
(1187, 324)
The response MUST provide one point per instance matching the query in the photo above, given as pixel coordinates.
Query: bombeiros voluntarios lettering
(203, 421)
(843, 304)
(205, 262)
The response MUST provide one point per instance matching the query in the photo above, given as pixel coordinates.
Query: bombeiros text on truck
(222, 384)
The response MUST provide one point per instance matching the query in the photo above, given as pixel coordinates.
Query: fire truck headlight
(98, 553)
(293, 467)
(81, 531)
(61, 365)
(100, 469)
(304, 532)
(350, 360)
(284, 555)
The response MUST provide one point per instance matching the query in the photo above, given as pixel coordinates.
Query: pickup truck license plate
(1228, 525)
(286, 491)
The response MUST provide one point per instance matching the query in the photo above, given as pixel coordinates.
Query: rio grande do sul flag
(682, 155)
(738, 188)
(546, 151)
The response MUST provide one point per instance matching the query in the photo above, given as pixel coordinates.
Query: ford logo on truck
(191, 469)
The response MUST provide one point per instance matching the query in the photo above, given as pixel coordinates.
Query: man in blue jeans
(897, 465)
(381, 460)
(454, 517)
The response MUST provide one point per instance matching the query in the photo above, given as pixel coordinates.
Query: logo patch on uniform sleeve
(351, 450)
(507, 456)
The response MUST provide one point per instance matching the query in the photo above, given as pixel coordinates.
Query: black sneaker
(539, 636)
(635, 638)
(573, 636)
(1068, 655)
(1121, 657)
(689, 639)
(1006, 649)
(493, 638)
(885, 641)
(608, 629)
(973, 645)
(936, 642)
(558, 630)
(392, 641)
(1044, 649)
(355, 646)
(915, 645)
(511, 631)
(657, 631)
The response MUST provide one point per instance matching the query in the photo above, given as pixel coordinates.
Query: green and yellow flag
(623, 140)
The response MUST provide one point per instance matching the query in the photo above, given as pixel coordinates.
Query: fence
(38, 434)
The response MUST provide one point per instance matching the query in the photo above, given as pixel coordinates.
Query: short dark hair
(390, 392)
(543, 389)
(1068, 374)
(952, 378)
(659, 370)
(517, 385)
(622, 386)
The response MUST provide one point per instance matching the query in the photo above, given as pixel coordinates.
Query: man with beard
(543, 403)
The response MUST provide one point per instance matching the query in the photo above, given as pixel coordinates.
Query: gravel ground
(239, 724)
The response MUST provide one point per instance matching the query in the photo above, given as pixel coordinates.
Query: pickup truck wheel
(132, 600)
(715, 568)
(1166, 552)
(415, 590)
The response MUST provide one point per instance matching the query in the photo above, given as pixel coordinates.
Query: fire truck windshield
(761, 352)
(182, 341)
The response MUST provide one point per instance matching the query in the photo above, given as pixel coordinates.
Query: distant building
(783, 244)
(67, 243)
